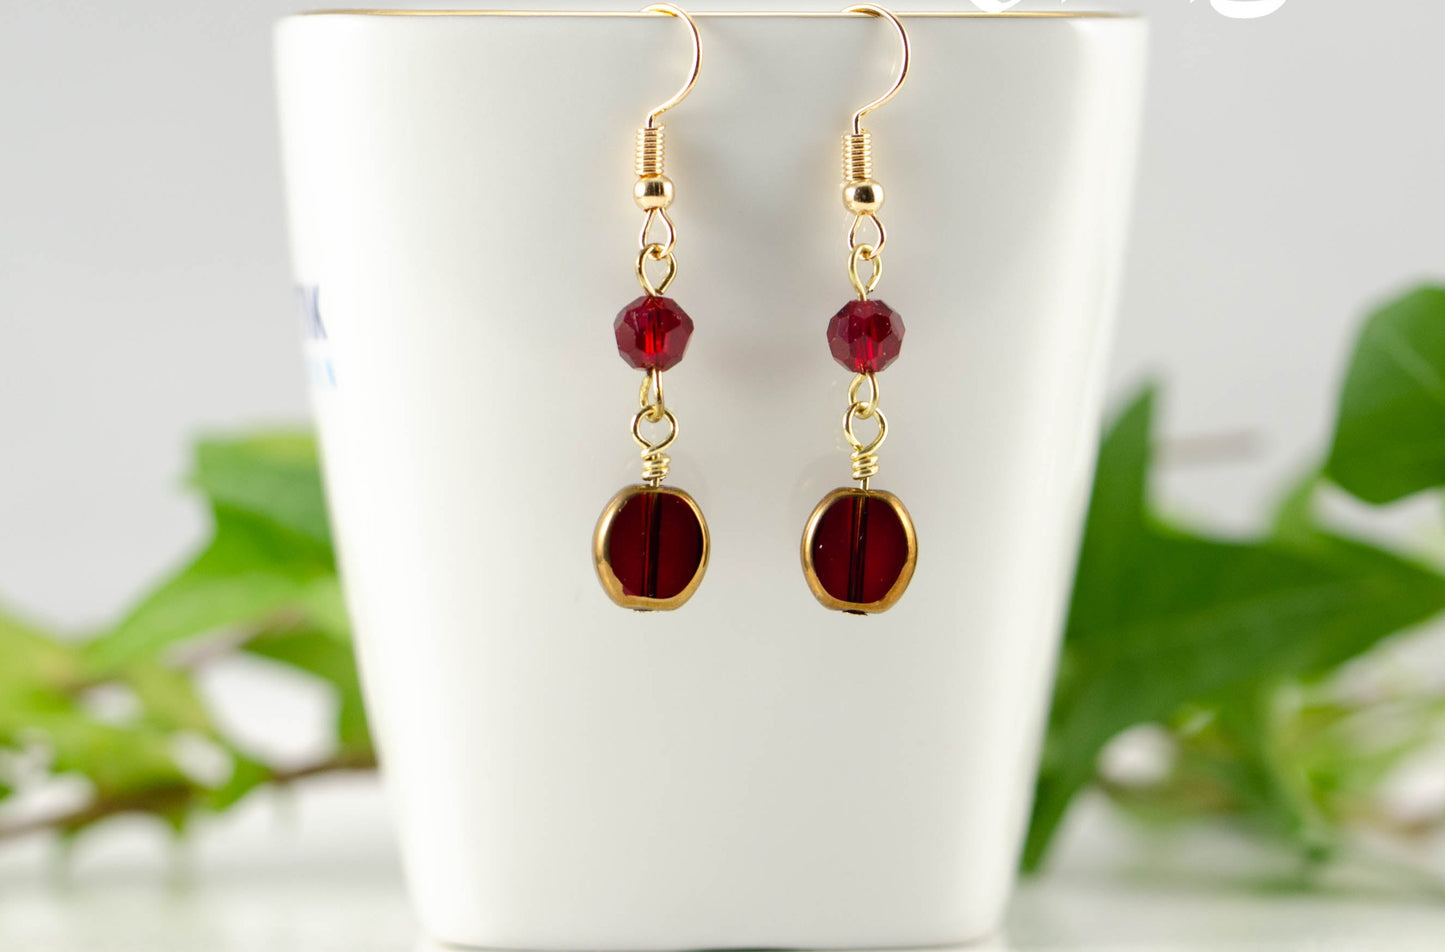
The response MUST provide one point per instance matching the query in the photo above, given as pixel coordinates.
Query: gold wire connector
(655, 467)
(874, 10)
(857, 156)
(655, 461)
(865, 465)
(651, 150)
(861, 194)
(864, 457)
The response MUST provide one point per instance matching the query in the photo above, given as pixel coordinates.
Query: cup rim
(721, 14)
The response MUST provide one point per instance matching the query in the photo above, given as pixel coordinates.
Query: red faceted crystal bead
(652, 333)
(865, 336)
(655, 544)
(861, 548)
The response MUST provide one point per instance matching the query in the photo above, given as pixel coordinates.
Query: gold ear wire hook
(873, 9)
(677, 97)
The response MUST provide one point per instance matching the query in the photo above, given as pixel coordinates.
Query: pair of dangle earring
(859, 549)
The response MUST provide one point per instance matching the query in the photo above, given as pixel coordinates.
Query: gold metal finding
(857, 156)
(862, 195)
(874, 10)
(655, 253)
(865, 455)
(651, 151)
(654, 191)
(865, 408)
(645, 240)
(649, 397)
(651, 406)
(880, 237)
(655, 462)
(675, 11)
(864, 286)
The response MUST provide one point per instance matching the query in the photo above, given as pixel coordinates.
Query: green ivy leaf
(118, 760)
(246, 775)
(273, 476)
(1390, 436)
(1161, 617)
(252, 569)
(33, 658)
(325, 608)
(37, 675)
(168, 698)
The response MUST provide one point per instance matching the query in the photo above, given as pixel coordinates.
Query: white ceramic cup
(751, 770)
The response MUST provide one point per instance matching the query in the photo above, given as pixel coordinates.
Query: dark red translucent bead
(859, 548)
(655, 544)
(652, 333)
(865, 336)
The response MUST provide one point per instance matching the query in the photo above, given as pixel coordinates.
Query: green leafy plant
(1238, 651)
(265, 585)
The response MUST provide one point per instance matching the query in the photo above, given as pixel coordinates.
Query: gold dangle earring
(651, 543)
(859, 547)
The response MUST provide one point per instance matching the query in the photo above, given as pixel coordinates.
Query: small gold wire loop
(862, 286)
(864, 457)
(864, 409)
(654, 445)
(650, 398)
(881, 238)
(855, 412)
(655, 253)
(873, 9)
(671, 233)
(677, 97)
(655, 461)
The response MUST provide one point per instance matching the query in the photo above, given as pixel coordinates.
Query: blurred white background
(1290, 177)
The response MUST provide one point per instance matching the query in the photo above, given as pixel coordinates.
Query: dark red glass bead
(652, 333)
(860, 547)
(865, 336)
(655, 544)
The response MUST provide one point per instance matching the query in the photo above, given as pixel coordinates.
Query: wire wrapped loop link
(880, 237)
(655, 462)
(863, 409)
(655, 252)
(670, 235)
(865, 455)
(649, 397)
(864, 286)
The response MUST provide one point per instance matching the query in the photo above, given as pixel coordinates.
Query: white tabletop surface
(318, 873)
